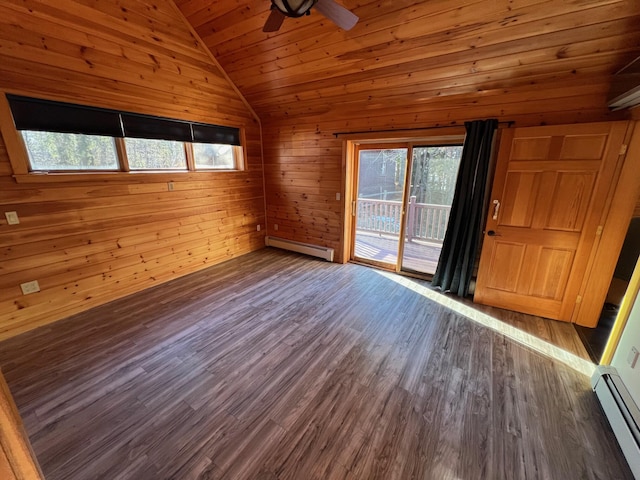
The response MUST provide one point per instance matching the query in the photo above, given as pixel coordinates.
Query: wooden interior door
(550, 191)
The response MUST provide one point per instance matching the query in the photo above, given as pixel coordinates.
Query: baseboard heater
(622, 413)
(306, 248)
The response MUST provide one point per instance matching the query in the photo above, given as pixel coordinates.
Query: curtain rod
(508, 123)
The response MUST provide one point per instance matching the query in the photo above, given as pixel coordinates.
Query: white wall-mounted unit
(306, 248)
(622, 413)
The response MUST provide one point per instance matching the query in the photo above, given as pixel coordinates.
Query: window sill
(150, 176)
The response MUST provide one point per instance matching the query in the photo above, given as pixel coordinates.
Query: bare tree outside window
(211, 155)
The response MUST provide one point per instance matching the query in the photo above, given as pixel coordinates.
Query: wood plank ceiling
(440, 54)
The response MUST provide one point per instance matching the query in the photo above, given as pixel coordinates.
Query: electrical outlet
(170, 186)
(12, 218)
(338, 196)
(30, 287)
(275, 227)
(258, 229)
(632, 358)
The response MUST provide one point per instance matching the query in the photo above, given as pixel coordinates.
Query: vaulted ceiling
(441, 53)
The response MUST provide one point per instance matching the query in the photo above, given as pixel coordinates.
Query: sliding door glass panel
(381, 175)
(434, 170)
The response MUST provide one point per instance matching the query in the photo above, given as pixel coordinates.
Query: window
(214, 156)
(63, 137)
(53, 151)
(146, 154)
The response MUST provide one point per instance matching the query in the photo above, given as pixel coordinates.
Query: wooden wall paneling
(59, 272)
(465, 84)
(228, 225)
(406, 65)
(89, 239)
(96, 291)
(412, 97)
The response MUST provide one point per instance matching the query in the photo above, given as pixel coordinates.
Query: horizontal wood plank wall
(89, 242)
(304, 159)
(405, 65)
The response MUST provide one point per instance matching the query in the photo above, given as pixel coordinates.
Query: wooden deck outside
(419, 256)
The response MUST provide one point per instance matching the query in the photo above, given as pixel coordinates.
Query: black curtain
(458, 255)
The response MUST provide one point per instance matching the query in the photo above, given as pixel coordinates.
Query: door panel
(551, 273)
(381, 173)
(582, 147)
(518, 205)
(430, 190)
(506, 265)
(570, 200)
(552, 184)
(532, 148)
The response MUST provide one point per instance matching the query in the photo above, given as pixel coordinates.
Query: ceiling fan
(297, 8)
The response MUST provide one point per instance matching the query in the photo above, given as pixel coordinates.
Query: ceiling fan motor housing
(294, 8)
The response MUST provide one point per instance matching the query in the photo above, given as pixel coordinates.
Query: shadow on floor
(595, 339)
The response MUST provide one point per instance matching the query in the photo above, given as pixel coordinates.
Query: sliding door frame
(354, 199)
(352, 144)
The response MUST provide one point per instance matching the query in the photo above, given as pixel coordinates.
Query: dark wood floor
(278, 366)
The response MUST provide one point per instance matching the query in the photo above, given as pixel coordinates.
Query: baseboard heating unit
(306, 248)
(622, 412)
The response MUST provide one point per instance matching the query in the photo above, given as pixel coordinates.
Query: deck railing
(424, 221)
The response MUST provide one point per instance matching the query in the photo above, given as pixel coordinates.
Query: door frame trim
(355, 179)
(348, 167)
(622, 199)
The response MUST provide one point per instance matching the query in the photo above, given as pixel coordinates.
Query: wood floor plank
(275, 366)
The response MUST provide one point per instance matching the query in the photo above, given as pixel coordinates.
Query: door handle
(496, 208)
(493, 233)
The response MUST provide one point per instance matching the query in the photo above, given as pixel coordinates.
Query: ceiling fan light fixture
(294, 8)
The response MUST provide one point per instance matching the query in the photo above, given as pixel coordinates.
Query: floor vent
(306, 248)
(622, 412)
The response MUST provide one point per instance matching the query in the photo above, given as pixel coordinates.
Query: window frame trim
(20, 163)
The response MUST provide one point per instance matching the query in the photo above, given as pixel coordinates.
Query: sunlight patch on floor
(531, 341)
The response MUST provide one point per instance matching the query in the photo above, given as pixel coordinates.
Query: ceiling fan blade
(274, 21)
(337, 14)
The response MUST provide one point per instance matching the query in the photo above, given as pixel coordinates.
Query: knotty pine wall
(304, 159)
(89, 242)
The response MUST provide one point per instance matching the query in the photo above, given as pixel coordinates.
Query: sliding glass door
(378, 204)
(394, 195)
(431, 188)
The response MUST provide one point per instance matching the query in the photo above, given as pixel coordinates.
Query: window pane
(145, 154)
(70, 151)
(211, 155)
